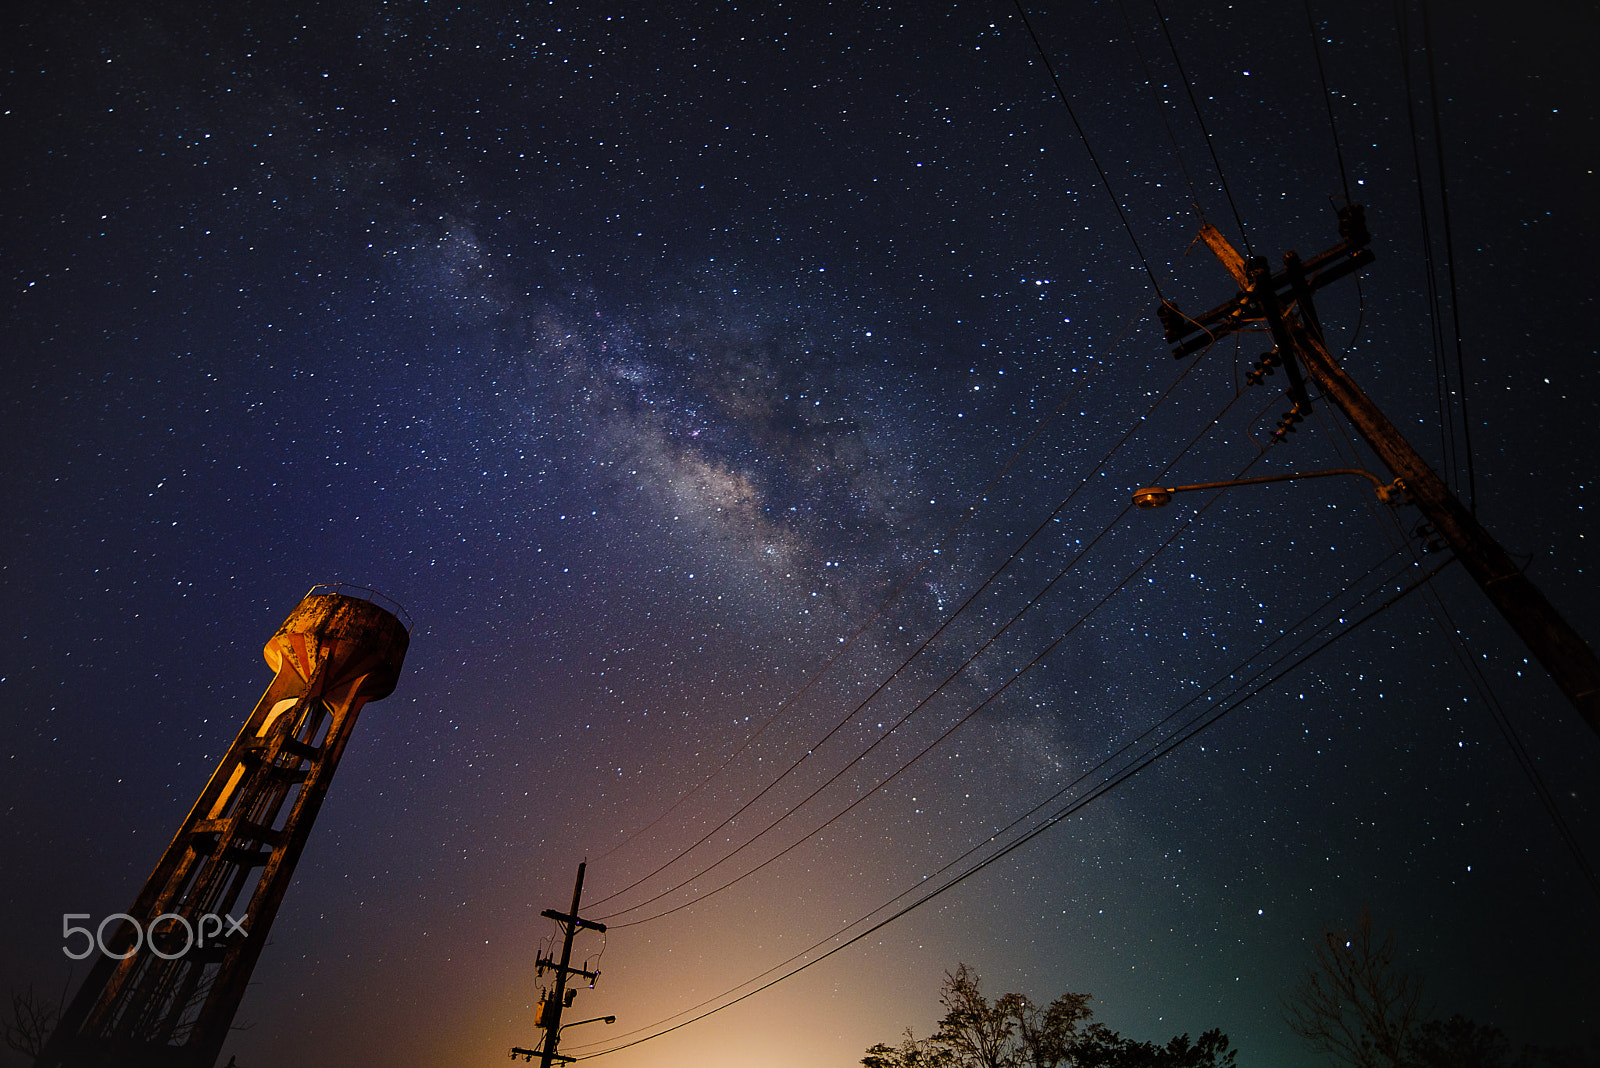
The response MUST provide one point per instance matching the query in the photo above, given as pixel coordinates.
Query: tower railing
(364, 593)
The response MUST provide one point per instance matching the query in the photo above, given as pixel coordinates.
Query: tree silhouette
(1360, 1005)
(1013, 1032)
(1356, 1003)
(30, 1022)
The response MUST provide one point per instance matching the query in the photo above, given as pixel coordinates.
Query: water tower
(164, 992)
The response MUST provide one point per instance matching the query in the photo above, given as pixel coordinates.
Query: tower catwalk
(165, 992)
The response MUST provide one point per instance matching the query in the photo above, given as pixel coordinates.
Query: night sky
(642, 352)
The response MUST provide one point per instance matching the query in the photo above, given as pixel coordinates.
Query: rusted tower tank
(166, 993)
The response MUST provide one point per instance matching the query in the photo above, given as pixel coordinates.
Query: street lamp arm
(1157, 496)
(594, 1019)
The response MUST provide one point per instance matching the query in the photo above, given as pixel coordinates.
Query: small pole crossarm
(576, 921)
(1351, 254)
(546, 962)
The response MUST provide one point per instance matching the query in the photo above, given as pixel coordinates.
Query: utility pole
(1284, 301)
(559, 998)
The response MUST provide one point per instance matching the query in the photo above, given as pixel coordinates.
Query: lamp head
(1152, 497)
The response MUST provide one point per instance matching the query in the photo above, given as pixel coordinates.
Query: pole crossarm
(547, 962)
(1293, 282)
(576, 921)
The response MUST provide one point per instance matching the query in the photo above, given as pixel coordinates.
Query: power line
(1327, 100)
(1061, 94)
(894, 594)
(1222, 178)
(1149, 80)
(936, 691)
(842, 722)
(905, 766)
(1450, 258)
(1193, 728)
(1479, 682)
(1447, 443)
(1513, 740)
(913, 655)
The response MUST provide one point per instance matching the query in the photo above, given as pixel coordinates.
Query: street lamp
(1159, 496)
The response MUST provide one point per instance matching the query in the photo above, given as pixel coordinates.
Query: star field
(683, 369)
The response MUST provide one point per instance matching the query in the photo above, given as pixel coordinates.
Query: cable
(838, 726)
(1475, 677)
(1327, 100)
(884, 604)
(1508, 733)
(959, 723)
(1061, 94)
(1168, 746)
(904, 663)
(1222, 179)
(1450, 260)
(1440, 372)
(1149, 80)
(934, 693)
(951, 677)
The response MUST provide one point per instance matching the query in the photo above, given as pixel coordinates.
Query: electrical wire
(936, 691)
(993, 576)
(1475, 677)
(1447, 442)
(893, 595)
(1327, 100)
(1513, 740)
(1450, 259)
(1061, 94)
(1194, 104)
(842, 722)
(914, 654)
(1193, 728)
(1172, 138)
(905, 766)
(982, 496)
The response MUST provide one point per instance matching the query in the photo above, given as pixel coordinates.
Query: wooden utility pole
(1267, 296)
(551, 1005)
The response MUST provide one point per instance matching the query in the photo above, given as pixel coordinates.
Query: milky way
(682, 373)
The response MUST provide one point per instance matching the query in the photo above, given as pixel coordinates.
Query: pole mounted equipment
(1283, 301)
(560, 997)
